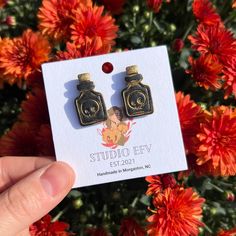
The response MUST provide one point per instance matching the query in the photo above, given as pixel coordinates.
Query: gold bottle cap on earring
(84, 77)
(132, 70)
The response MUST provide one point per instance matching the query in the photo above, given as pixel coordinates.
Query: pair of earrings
(91, 107)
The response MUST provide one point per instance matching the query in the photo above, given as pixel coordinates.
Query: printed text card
(119, 148)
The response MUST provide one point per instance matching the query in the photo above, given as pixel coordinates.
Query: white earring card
(118, 148)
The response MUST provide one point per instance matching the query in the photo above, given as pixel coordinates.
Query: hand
(29, 188)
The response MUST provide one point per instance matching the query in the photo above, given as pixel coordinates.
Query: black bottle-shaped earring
(136, 96)
(89, 104)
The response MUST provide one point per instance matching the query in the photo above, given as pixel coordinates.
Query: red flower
(203, 170)
(114, 6)
(234, 4)
(178, 213)
(158, 183)
(56, 17)
(205, 12)
(2, 3)
(178, 45)
(129, 227)
(229, 195)
(189, 115)
(89, 48)
(30, 137)
(230, 78)
(91, 24)
(97, 232)
(19, 141)
(45, 142)
(34, 109)
(22, 56)
(10, 20)
(3, 44)
(72, 51)
(154, 5)
(45, 227)
(35, 80)
(218, 46)
(214, 41)
(231, 232)
(206, 72)
(217, 141)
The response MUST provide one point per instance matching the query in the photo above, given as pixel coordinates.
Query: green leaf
(136, 40)
(145, 200)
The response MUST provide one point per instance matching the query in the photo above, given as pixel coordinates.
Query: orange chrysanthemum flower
(203, 170)
(217, 141)
(215, 41)
(231, 232)
(3, 44)
(56, 17)
(91, 24)
(19, 141)
(2, 3)
(154, 5)
(234, 4)
(189, 114)
(89, 48)
(22, 56)
(114, 6)
(1, 82)
(45, 142)
(205, 12)
(129, 227)
(230, 77)
(35, 80)
(206, 72)
(158, 183)
(178, 213)
(72, 51)
(44, 226)
(34, 109)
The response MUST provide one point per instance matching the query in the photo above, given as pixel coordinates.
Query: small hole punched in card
(114, 116)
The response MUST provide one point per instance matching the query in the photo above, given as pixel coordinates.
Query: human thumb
(33, 197)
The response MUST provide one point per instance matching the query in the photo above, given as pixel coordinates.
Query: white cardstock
(147, 145)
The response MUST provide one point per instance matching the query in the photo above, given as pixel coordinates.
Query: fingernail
(55, 179)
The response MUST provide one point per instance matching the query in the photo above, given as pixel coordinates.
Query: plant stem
(208, 229)
(60, 213)
(216, 187)
(188, 30)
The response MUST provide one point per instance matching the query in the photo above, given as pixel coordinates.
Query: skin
(30, 187)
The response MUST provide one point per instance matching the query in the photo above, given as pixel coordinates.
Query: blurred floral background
(200, 36)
